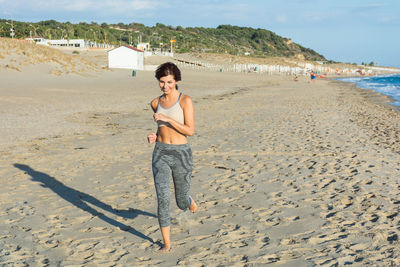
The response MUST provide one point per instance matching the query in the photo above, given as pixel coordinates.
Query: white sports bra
(175, 112)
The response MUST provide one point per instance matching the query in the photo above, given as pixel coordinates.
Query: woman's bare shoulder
(154, 104)
(185, 99)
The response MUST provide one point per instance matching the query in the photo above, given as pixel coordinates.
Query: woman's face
(167, 84)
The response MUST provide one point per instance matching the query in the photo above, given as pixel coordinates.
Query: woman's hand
(151, 138)
(160, 117)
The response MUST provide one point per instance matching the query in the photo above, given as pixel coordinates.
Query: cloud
(372, 6)
(282, 18)
(389, 20)
(313, 17)
(78, 5)
(115, 7)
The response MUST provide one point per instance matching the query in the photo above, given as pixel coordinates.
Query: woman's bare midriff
(168, 135)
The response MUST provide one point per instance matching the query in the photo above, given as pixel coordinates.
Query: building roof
(127, 46)
(133, 48)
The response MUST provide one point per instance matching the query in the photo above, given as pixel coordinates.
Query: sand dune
(16, 55)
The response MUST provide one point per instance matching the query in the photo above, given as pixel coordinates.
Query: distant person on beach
(312, 76)
(174, 115)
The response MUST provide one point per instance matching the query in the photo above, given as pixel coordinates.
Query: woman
(174, 114)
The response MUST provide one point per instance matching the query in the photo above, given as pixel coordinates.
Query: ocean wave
(386, 84)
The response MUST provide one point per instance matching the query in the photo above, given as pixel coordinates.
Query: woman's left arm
(187, 128)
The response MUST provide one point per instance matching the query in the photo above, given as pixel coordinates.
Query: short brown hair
(166, 69)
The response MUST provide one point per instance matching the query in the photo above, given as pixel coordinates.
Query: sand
(290, 173)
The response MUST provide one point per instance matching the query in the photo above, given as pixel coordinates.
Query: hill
(224, 39)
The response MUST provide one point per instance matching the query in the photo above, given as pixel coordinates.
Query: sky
(351, 31)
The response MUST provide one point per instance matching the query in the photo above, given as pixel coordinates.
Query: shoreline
(372, 95)
(386, 98)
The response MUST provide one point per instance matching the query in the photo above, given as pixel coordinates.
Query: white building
(35, 39)
(126, 57)
(72, 43)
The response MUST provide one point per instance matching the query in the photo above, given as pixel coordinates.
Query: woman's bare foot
(165, 248)
(165, 232)
(193, 206)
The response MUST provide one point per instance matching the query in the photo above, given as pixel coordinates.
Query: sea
(385, 84)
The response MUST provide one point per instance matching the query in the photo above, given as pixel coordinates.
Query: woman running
(174, 114)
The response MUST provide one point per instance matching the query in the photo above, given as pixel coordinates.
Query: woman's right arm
(152, 137)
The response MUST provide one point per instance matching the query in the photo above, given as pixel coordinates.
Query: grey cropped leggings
(178, 160)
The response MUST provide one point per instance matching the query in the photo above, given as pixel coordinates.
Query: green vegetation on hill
(223, 39)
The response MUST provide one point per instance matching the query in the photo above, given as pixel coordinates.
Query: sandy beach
(289, 173)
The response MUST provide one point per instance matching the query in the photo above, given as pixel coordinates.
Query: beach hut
(126, 57)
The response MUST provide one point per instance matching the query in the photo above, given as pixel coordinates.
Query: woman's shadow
(80, 200)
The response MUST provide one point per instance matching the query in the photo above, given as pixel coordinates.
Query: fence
(158, 53)
(302, 69)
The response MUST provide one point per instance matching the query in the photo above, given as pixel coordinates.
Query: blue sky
(343, 30)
